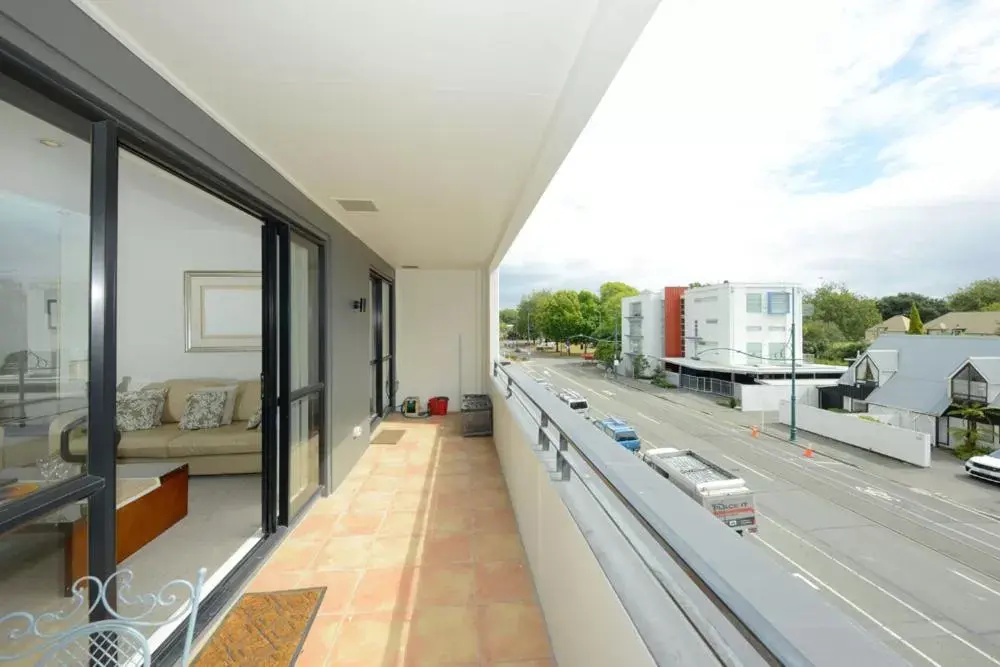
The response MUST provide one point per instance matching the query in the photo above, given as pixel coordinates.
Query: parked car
(985, 467)
(619, 431)
(576, 402)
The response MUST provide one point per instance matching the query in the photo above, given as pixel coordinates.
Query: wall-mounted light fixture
(360, 305)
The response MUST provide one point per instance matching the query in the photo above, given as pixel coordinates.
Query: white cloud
(688, 169)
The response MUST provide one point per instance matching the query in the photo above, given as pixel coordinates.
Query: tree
(639, 365)
(590, 312)
(560, 317)
(528, 324)
(818, 336)
(508, 316)
(611, 295)
(900, 304)
(916, 324)
(973, 414)
(852, 313)
(975, 296)
(992, 307)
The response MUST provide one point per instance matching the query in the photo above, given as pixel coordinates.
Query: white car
(985, 467)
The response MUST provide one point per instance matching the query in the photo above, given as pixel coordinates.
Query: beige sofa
(227, 450)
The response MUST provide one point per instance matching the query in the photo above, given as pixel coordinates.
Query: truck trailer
(719, 491)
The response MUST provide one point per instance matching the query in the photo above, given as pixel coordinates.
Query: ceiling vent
(358, 205)
(410, 266)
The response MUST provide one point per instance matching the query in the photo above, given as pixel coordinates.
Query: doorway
(382, 296)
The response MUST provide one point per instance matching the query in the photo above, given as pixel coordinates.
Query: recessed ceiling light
(358, 205)
(50, 143)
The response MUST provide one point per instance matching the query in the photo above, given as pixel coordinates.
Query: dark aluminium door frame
(45, 94)
(384, 386)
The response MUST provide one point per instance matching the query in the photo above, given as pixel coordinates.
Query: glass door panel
(305, 373)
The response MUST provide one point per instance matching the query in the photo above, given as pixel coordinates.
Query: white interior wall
(441, 333)
(167, 227)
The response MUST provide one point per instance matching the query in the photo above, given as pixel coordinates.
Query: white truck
(719, 491)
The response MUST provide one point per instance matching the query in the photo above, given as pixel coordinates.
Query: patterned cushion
(139, 410)
(255, 420)
(204, 409)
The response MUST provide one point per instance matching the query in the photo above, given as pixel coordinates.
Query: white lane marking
(609, 393)
(884, 591)
(744, 465)
(583, 386)
(646, 417)
(854, 606)
(973, 581)
(800, 576)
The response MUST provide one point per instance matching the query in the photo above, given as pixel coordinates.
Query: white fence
(766, 397)
(898, 443)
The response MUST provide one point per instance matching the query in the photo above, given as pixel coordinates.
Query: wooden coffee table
(152, 497)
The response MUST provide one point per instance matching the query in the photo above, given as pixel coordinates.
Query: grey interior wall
(59, 36)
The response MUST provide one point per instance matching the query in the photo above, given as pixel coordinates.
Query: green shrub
(966, 451)
(659, 379)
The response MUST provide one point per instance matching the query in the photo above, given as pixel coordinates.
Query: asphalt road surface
(921, 571)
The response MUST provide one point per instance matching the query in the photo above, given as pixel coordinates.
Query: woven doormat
(389, 436)
(263, 629)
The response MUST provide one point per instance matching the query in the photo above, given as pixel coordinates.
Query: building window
(755, 351)
(776, 329)
(706, 299)
(755, 328)
(712, 320)
(635, 309)
(969, 385)
(778, 303)
(755, 303)
(635, 345)
(866, 371)
(776, 351)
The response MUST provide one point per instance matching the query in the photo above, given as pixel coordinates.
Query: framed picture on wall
(222, 311)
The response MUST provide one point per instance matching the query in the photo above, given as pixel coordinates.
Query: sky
(846, 140)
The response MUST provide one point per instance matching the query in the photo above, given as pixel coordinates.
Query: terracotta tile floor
(421, 559)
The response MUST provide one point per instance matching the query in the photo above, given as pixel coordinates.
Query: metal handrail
(787, 624)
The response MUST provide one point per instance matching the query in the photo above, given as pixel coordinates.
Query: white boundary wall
(766, 397)
(898, 443)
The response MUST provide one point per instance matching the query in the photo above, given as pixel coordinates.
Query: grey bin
(477, 415)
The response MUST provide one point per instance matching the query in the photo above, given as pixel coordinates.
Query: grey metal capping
(663, 624)
(793, 623)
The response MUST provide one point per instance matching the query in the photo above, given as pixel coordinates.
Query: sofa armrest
(59, 433)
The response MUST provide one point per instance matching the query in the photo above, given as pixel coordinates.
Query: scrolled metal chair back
(119, 639)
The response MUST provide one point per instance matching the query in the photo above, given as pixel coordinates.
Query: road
(921, 571)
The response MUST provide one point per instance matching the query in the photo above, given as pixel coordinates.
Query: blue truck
(619, 431)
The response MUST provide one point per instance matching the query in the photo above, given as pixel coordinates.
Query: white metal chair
(118, 640)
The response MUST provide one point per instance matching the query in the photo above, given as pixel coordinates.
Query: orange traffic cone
(808, 453)
(754, 431)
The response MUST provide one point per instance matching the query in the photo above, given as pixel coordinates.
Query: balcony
(542, 545)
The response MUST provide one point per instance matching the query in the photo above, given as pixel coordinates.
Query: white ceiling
(451, 115)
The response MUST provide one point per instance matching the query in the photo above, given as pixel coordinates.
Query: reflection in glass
(36, 566)
(387, 386)
(304, 270)
(304, 450)
(44, 299)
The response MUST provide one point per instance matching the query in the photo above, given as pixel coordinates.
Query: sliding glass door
(382, 347)
(306, 385)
